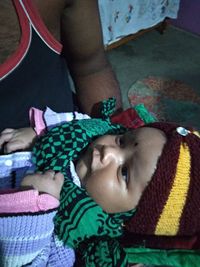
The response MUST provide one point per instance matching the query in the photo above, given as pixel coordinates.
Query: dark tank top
(35, 75)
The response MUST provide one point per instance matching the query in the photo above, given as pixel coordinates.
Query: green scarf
(80, 222)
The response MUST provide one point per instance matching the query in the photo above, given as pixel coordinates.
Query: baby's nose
(110, 153)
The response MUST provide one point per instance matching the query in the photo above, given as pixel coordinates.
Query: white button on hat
(182, 131)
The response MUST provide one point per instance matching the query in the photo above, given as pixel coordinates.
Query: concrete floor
(175, 54)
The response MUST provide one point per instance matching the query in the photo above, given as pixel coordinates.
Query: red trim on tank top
(40, 27)
(13, 60)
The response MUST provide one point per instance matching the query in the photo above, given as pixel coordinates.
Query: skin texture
(115, 170)
(76, 24)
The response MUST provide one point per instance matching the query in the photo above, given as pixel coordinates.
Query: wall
(188, 16)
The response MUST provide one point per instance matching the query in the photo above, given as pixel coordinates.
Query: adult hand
(48, 182)
(20, 139)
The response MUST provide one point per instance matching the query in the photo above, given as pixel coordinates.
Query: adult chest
(10, 29)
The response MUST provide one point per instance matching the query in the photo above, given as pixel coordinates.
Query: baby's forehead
(145, 132)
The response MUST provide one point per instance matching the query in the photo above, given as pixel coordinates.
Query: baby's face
(115, 169)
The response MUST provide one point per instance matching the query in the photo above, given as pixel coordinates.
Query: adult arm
(83, 48)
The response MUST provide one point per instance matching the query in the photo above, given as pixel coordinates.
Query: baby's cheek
(95, 184)
(135, 195)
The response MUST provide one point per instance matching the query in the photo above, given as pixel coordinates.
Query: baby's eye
(120, 141)
(124, 172)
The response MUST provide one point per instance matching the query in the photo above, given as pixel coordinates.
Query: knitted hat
(170, 205)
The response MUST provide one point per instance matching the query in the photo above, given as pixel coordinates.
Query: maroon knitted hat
(170, 205)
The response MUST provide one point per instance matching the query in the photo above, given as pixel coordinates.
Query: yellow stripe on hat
(196, 133)
(169, 220)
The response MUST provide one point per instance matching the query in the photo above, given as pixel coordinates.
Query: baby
(152, 167)
(114, 169)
